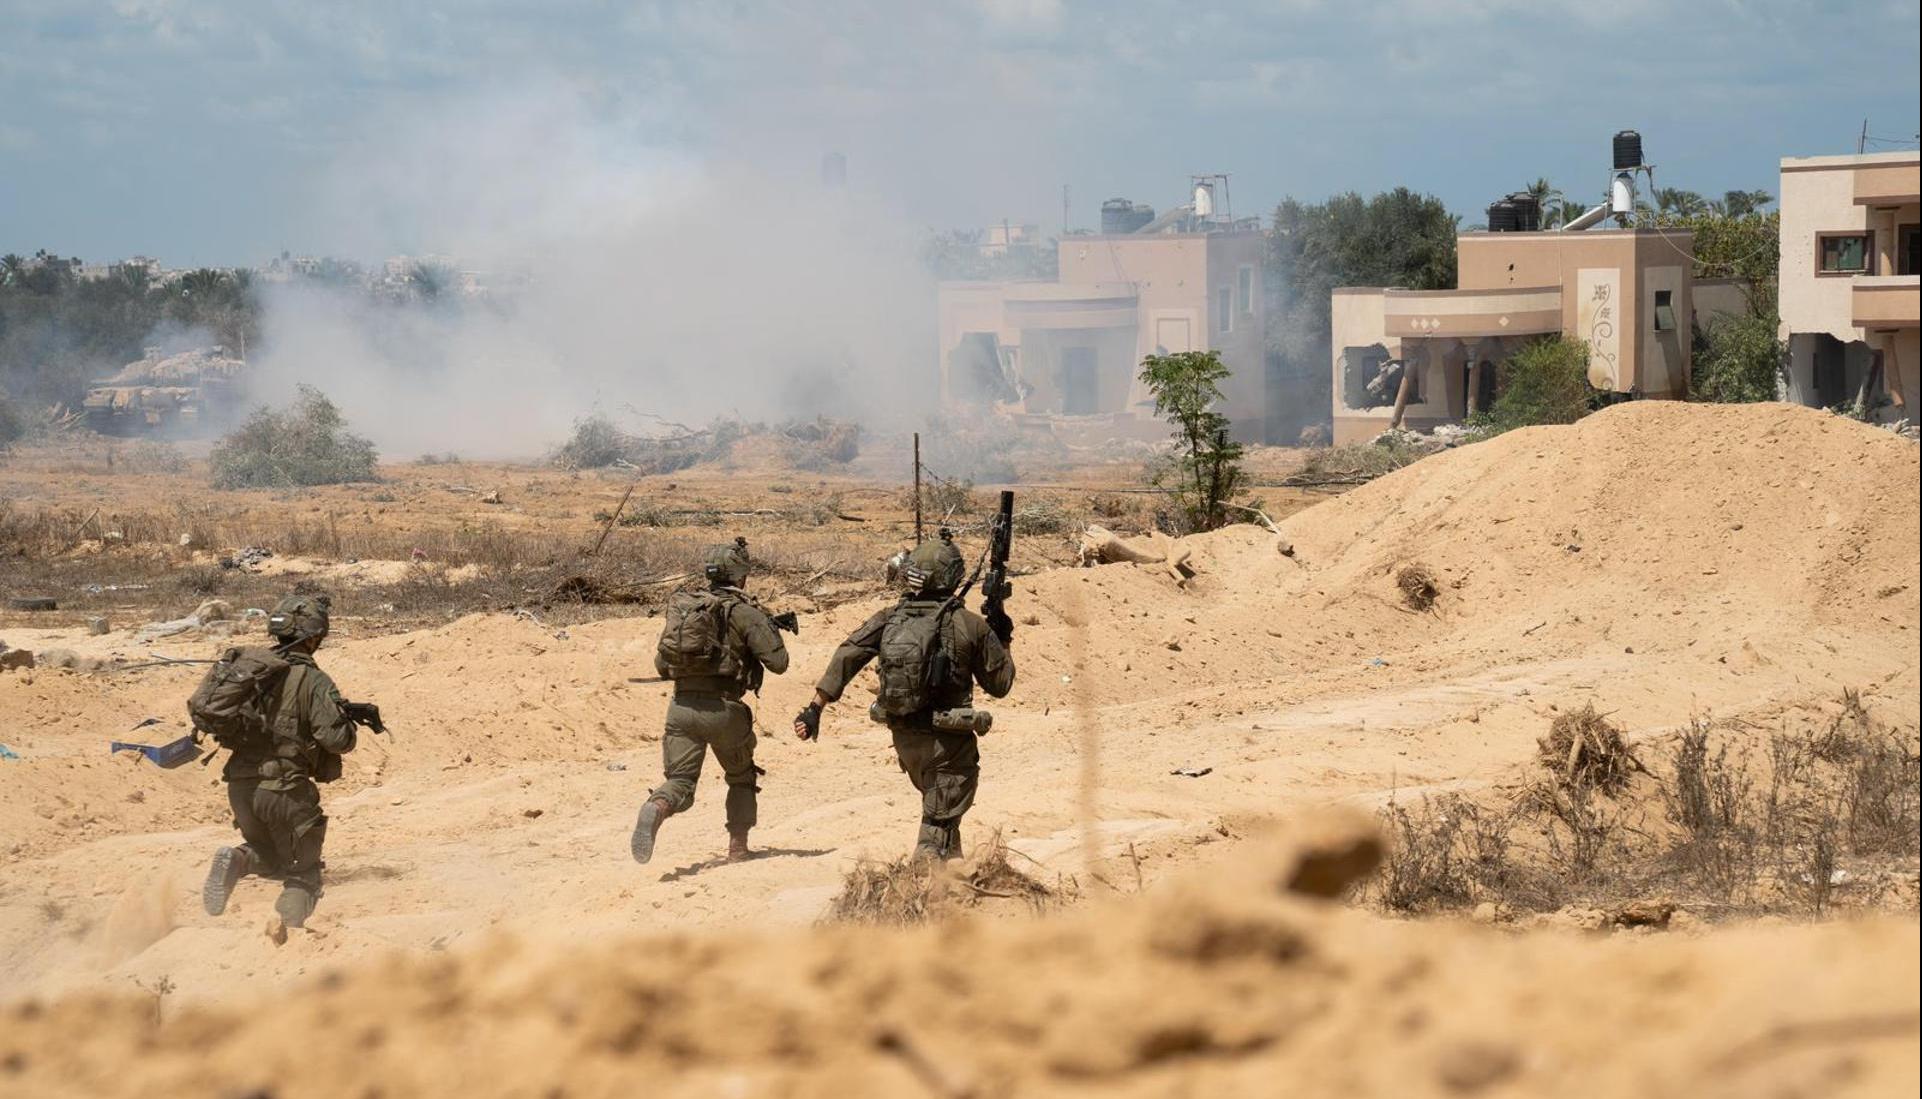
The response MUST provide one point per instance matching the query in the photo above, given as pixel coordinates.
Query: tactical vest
(916, 670)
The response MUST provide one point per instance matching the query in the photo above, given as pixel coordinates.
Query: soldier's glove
(1001, 625)
(363, 713)
(787, 621)
(807, 723)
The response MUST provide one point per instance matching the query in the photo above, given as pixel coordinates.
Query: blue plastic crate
(171, 754)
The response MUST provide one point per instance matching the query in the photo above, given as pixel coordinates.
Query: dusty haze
(638, 279)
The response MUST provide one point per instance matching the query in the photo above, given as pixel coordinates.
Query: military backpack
(694, 637)
(913, 662)
(234, 698)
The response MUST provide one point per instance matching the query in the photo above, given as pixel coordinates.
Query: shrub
(305, 444)
(1738, 359)
(1543, 383)
(595, 444)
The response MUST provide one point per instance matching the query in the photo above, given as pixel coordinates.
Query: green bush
(305, 444)
(1739, 360)
(1543, 383)
(595, 444)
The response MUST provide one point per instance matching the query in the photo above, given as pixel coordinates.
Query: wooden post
(917, 488)
(609, 528)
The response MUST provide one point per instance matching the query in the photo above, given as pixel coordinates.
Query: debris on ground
(11, 658)
(1192, 772)
(33, 603)
(1584, 751)
(249, 558)
(1101, 546)
(209, 613)
(1418, 586)
(914, 889)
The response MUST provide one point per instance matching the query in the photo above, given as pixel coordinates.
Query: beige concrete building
(1627, 292)
(1850, 286)
(1070, 349)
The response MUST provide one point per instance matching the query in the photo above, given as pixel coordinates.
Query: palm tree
(12, 265)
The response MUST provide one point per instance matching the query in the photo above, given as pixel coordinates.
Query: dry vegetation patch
(1730, 822)
(914, 889)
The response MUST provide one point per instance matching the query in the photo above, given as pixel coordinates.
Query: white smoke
(630, 276)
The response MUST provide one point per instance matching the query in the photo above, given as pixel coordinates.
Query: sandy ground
(1659, 560)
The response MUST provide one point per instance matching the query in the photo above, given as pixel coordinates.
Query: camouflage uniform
(707, 712)
(944, 766)
(275, 801)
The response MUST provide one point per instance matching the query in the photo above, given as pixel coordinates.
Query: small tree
(1739, 359)
(13, 426)
(305, 444)
(1543, 383)
(1205, 471)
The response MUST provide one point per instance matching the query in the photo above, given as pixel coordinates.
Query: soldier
(716, 645)
(932, 651)
(270, 780)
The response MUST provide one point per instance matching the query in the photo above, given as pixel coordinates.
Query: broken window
(1664, 311)
(1843, 254)
(1370, 379)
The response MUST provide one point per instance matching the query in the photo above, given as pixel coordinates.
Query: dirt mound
(1759, 509)
(1224, 986)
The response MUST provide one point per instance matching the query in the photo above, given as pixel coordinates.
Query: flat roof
(1862, 160)
(1574, 234)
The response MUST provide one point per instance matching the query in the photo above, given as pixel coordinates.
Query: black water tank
(1502, 217)
(1139, 216)
(1628, 150)
(1528, 212)
(1114, 216)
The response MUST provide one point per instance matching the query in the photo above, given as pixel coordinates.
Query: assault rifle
(364, 714)
(995, 588)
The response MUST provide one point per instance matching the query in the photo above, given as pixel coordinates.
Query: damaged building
(1065, 353)
(1851, 246)
(1423, 359)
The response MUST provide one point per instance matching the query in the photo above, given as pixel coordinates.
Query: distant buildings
(1850, 285)
(1071, 347)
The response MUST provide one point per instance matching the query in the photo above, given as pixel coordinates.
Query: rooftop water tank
(1502, 217)
(1628, 150)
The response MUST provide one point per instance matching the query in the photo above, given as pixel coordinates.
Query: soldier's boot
(647, 826)
(294, 905)
(737, 849)
(229, 866)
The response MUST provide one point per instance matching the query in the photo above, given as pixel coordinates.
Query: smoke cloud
(627, 274)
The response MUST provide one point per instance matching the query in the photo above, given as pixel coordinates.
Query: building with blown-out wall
(1850, 289)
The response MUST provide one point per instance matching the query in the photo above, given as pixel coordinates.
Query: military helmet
(934, 567)
(726, 565)
(299, 617)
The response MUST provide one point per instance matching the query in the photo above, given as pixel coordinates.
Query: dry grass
(1584, 752)
(1418, 586)
(1732, 824)
(916, 890)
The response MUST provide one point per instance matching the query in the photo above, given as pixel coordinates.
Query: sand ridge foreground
(1657, 559)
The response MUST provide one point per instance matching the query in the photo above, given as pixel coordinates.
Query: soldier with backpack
(932, 652)
(285, 726)
(716, 645)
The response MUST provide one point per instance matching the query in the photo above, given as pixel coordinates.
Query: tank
(1502, 217)
(167, 394)
(1628, 150)
(1139, 216)
(1528, 212)
(1204, 200)
(1115, 214)
(1621, 194)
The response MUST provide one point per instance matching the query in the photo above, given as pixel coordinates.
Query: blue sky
(221, 131)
